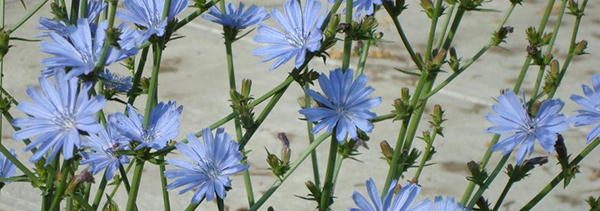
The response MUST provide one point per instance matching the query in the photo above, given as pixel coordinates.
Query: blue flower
(589, 114)
(439, 204)
(103, 146)
(117, 83)
(391, 201)
(162, 127)
(511, 118)
(7, 168)
(300, 33)
(94, 8)
(211, 162)
(345, 106)
(362, 7)
(236, 18)
(58, 113)
(149, 15)
(81, 50)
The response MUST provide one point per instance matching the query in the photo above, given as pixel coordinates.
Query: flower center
(65, 121)
(298, 40)
(211, 170)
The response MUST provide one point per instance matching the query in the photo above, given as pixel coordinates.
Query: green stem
(112, 12)
(27, 16)
(348, 38)
(311, 139)
(293, 166)
(62, 186)
(538, 81)
(364, 54)
(522, 73)
(30, 175)
(396, 156)
(138, 76)
(572, 46)
(74, 11)
(135, 186)
(503, 194)
(163, 182)
(488, 181)
(220, 204)
(83, 5)
(405, 40)
(329, 174)
(124, 177)
(446, 24)
(48, 193)
(81, 202)
(99, 193)
(424, 157)
(432, 28)
(558, 178)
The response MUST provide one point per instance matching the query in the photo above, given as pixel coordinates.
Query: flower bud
(386, 150)
(580, 47)
(4, 42)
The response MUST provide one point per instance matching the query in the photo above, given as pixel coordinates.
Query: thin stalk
(445, 25)
(138, 76)
(112, 12)
(81, 202)
(503, 194)
(293, 166)
(558, 178)
(348, 38)
(336, 171)
(517, 87)
(311, 139)
(432, 28)
(74, 11)
(328, 182)
(220, 204)
(47, 194)
(488, 181)
(122, 179)
(364, 54)
(99, 193)
(137, 176)
(396, 156)
(424, 157)
(572, 46)
(472, 60)
(538, 80)
(30, 175)
(383, 117)
(83, 5)
(28, 15)
(405, 41)
(163, 182)
(62, 186)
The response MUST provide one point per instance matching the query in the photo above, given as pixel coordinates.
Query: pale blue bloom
(439, 204)
(81, 50)
(211, 162)
(162, 127)
(94, 8)
(115, 82)
(7, 168)
(59, 111)
(300, 33)
(362, 7)
(511, 118)
(148, 14)
(237, 18)
(589, 114)
(102, 156)
(345, 106)
(391, 201)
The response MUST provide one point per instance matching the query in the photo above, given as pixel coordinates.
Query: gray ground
(194, 75)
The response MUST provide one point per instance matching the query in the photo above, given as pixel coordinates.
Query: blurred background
(194, 74)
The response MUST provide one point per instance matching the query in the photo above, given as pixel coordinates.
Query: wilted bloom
(117, 83)
(511, 118)
(345, 106)
(7, 168)
(80, 50)
(149, 15)
(400, 201)
(589, 114)
(162, 127)
(300, 33)
(94, 8)
(60, 111)
(102, 156)
(236, 18)
(211, 162)
(439, 204)
(362, 7)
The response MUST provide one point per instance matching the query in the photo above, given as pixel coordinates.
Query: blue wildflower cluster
(72, 132)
